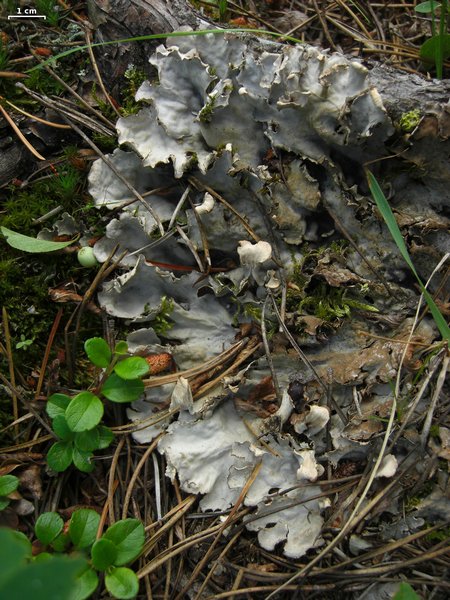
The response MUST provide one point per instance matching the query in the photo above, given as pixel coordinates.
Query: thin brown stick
(12, 375)
(48, 347)
(20, 135)
(250, 481)
(88, 36)
(135, 475)
(112, 483)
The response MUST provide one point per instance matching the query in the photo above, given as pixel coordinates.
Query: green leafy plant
(88, 554)
(49, 8)
(8, 485)
(76, 420)
(333, 303)
(24, 343)
(405, 592)
(120, 545)
(437, 48)
(389, 218)
(43, 577)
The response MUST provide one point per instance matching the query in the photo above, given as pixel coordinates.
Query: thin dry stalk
(12, 375)
(112, 483)
(48, 348)
(202, 186)
(434, 400)
(88, 36)
(20, 135)
(135, 475)
(225, 524)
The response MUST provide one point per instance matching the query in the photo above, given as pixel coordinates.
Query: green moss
(409, 121)
(162, 322)
(206, 113)
(26, 278)
(106, 143)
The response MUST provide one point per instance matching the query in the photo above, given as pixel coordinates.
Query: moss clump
(162, 322)
(409, 121)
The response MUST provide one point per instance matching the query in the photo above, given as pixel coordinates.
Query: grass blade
(162, 36)
(389, 218)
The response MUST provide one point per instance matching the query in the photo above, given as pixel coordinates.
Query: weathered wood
(115, 19)
(120, 19)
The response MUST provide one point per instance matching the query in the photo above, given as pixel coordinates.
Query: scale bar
(26, 17)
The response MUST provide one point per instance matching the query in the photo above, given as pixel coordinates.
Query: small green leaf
(48, 526)
(59, 457)
(430, 48)
(15, 549)
(117, 389)
(85, 585)
(128, 536)
(8, 484)
(4, 502)
(98, 352)
(83, 527)
(61, 542)
(57, 404)
(30, 244)
(82, 460)
(427, 7)
(122, 583)
(43, 556)
(50, 579)
(62, 429)
(84, 412)
(132, 368)
(389, 218)
(405, 592)
(106, 437)
(103, 553)
(121, 347)
(86, 441)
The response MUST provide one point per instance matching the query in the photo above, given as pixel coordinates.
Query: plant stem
(440, 44)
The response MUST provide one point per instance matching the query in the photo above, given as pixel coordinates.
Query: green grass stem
(158, 36)
(389, 218)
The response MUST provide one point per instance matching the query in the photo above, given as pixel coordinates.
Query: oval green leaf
(117, 389)
(61, 428)
(128, 536)
(405, 592)
(57, 404)
(59, 457)
(8, 484)
(106, 437)
(43, 580)
(82, 460)
(121, 347)
(48, 526)
(30, 244)
(122, 583)
(103, 553)
(83, 527)
(98, 352)
(84, 412)
(429, 49)
(86, 441)
(427, 7)
(61, 542)
(85, 585)
(132, 368)
(4, 502)
(15, 550)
